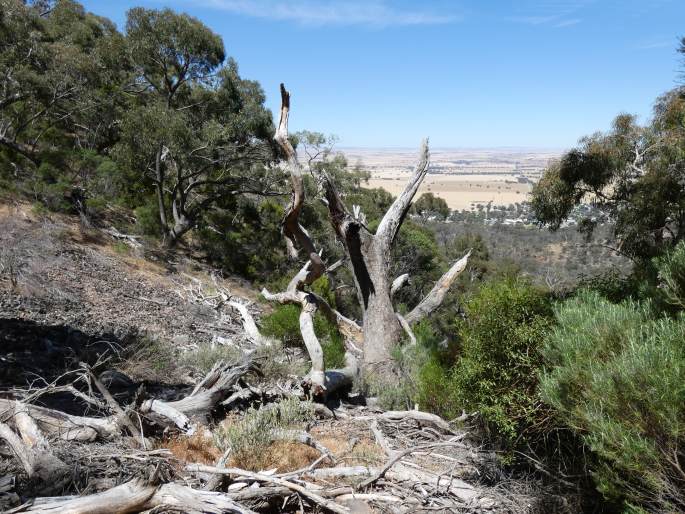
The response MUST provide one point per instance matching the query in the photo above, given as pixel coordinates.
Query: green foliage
(496, 374)
(172, 50)
(283, 324)
(633, 173)
(616, 376)
(243, 236)
(147, 219)
(671, 277)
(416, 252)
(430, 206)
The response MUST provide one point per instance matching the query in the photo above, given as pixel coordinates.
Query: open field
(463, 178)
(459, 191)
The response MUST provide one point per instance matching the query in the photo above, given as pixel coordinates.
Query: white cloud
(655, 43)
(568, 23)
(553, 13)
(374, 13)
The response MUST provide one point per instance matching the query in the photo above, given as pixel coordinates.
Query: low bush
(496, 372)
(150, 359)
(207, 355)
(617, 377)
(250, 437)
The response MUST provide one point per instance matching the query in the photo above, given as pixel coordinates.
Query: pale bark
(407, 329)
(399, 283)
(296, 235)
(311, 342)
(249, 324)
(434, 298)
(121, 416)
(32, 450)
(391, 222)
(65, 426)
(165, 410)
(212, 390)
(304, 491)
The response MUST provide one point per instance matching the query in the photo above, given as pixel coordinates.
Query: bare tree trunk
(381, 327)
(369, 258)
(159, 186)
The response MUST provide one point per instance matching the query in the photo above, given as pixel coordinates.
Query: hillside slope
(75, 299)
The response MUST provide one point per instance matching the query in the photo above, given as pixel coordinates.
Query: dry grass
(285, 456)
(196, 448)
(459, 191)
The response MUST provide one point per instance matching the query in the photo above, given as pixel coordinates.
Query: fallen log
(65, 426)
(136, 496)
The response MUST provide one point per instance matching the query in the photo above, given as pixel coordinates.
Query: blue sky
(488, 73)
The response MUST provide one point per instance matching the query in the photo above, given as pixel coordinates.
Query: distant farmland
(463, 178)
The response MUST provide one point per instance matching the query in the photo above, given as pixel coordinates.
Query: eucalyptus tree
(59, 68)
(199, 131)
(634, 173)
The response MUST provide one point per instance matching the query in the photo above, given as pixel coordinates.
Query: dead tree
(369, 255)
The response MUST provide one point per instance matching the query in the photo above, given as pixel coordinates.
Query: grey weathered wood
(368, 255)
(138, 496)
(32, 450)
(66, 426)
(304, 491)
(399, 283)
(391, 222)
(294, 232)
(436, 295)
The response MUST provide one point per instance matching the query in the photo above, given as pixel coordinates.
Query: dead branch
(213, 389)
(136, 496)
(390, 224)
(436, 295)
(407, 329)
(399, 455)
(121, 416)
(165, 410)
(260, 477)
(399, 283)
(306, 439)
(296, 235)
(65, 426)
(249, 324)
(48, 471)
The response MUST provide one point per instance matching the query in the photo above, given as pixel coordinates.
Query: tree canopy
(636, 174)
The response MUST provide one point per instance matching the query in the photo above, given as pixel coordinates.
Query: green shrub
(147, 220)
(434, 389)
(283, 324)
(250, 437)
(617, 378)
(496, 374)
(671, 277)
